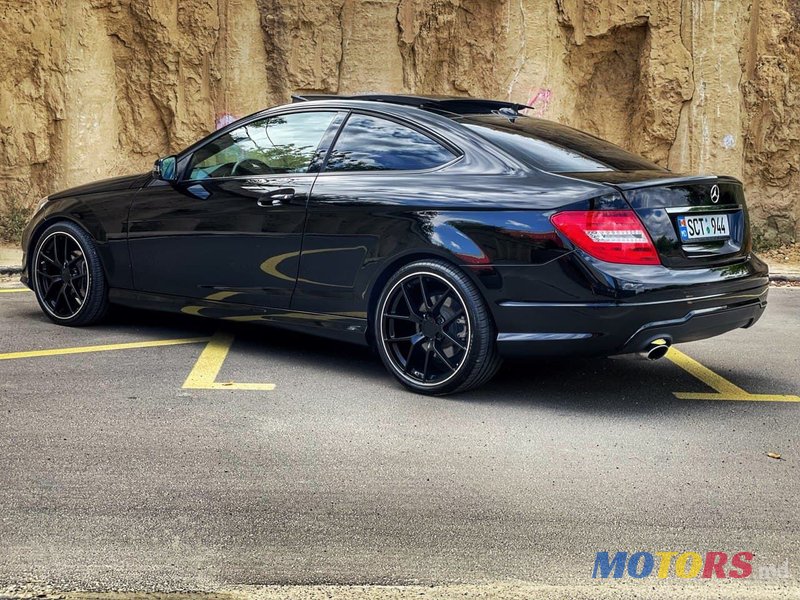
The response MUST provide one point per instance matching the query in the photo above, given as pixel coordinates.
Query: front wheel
(67, 276)
(433, 330)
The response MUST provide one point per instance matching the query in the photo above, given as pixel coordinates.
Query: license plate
(703, 227)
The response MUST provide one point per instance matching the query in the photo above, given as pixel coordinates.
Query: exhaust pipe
(657, 349)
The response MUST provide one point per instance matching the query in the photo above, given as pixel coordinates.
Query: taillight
(616, 236)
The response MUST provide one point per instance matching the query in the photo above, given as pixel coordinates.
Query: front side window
(373, 144)
(276, 145)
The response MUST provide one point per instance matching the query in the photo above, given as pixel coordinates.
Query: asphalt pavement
(114, 476)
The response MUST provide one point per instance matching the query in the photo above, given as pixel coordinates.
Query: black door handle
(275, 197)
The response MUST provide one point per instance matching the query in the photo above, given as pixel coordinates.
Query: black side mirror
(166, 169)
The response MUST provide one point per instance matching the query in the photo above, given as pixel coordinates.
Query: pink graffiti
(224, 120)
(540, 101)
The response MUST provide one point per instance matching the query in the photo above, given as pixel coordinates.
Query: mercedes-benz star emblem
(715, 194)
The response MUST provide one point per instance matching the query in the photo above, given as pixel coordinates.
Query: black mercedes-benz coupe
(445, 232)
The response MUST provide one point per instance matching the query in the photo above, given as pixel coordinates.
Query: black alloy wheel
(434, 332)
(67, 277)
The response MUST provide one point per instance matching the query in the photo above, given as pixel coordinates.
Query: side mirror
(166, 169)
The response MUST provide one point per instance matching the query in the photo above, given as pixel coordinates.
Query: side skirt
(344, 327)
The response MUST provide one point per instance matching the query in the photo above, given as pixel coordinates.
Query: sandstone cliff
(99, 87)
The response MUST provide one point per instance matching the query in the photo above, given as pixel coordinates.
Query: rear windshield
(553, 147)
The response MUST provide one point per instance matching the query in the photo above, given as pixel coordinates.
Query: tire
(67, 277)
(433, 330)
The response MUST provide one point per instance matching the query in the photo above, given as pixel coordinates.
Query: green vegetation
(765, 239)
(14, 215)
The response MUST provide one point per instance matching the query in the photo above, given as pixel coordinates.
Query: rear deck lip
(667, 181)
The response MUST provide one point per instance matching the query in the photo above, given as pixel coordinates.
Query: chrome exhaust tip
(657, 349)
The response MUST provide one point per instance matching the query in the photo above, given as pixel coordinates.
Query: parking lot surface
(169, 452)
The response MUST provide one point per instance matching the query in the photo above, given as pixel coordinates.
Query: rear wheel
(67, 276)
(433, 330)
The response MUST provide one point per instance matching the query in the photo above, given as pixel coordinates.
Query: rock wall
(92, 88)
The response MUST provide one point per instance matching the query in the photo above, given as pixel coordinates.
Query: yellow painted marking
(725, 390)
(221, 295)
(103, 348)
(742, 397)
(204, 373)
(704, 374)
(270, 266)
(13, 290)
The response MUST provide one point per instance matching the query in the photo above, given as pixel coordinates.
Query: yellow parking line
(103, 348)
(204, 373)
(704, 374)
(12, 290)
(725, 390)
(741, 397)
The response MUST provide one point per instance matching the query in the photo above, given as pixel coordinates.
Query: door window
(372, 144)
(275, 145)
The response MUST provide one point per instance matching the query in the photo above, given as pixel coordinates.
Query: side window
(277, 145)
(373, 144)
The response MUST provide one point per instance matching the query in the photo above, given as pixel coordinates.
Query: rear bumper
(676, 305)
(612, 330)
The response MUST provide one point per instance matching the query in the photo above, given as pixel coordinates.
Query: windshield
(553, 147)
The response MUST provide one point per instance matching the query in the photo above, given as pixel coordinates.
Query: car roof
(453, 105)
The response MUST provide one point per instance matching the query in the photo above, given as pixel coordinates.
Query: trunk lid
(676, 209)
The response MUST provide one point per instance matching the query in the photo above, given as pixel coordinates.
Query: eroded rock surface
(102, 87)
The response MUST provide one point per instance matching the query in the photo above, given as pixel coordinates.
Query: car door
(231, 229)
(378, 173)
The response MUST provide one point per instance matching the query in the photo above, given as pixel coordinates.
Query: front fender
(103, 217)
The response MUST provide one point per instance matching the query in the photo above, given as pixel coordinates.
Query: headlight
(41, 203)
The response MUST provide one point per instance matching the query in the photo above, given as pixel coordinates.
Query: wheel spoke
(78, 297)
(442, 357)
(453, 317)
(53, 283)
(440, 302)
(399, 317)
(413, 311)
(397, 340)
(414, 344)
(424, 294)
(66, 298)
(405, 296)
(54, 252)
(427, 360)
(48, 259)
(408, 358)
(453, 340)
(59, 297)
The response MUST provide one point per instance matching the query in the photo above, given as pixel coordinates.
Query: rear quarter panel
(362, 226)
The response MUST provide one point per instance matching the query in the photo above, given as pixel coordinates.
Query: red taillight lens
(616, 236)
